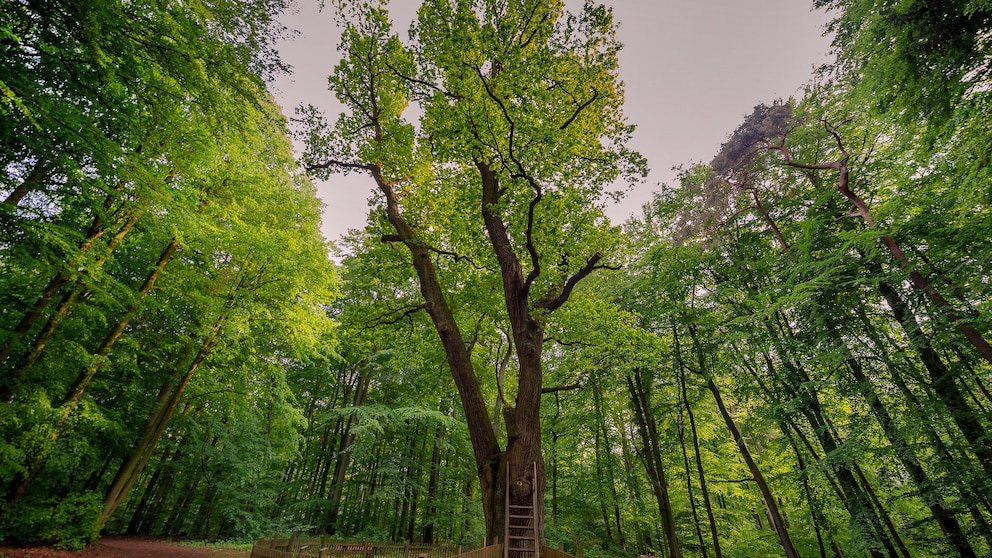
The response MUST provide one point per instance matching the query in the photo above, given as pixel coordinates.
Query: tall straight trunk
(428, 533)
(941, 379)
(82, 381)
(714, 536)
(964, 485)
(816, 514)
(69, 299)
(603, 511)
(414, 473)
(555, 436)
(75, 393)
(945, 518)
(882, 512)
(702, 364)
(96, 230)
(774, 514)
(688, 485)
(652, 460)
(610, 476)
(795, 375)
(166, 403)
(138, 515)
(855, 500)
(345, 439)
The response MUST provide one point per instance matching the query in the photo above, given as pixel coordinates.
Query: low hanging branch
(556, 389)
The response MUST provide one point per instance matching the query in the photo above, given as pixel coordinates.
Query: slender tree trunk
(688, 485)
(778, 523)
(346, 438)
(598, 445)
(165, 407)
(945, 518)
(815, 513)
(701, 363)
(964, 484)
(699, 469)
(138, 515)
(95, 231)
(82, 381)
(882, 512)
(941, 380)
(607, 476)
(855, 499)
(69, 299)
(652, 460)
(428, 535)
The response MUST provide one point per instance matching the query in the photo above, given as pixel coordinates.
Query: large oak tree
(520, 133)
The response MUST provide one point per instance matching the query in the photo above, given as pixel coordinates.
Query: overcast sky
(692, 68)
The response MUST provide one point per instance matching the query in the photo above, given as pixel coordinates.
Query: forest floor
(124, 547)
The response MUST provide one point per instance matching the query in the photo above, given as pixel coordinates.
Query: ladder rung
(522, 549)
(512, 516)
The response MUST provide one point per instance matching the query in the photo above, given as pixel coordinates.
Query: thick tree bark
(524, 454)
(489, 456)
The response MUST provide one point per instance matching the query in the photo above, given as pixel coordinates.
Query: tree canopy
(786, 353)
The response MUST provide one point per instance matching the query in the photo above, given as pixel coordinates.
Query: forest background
(785, 352)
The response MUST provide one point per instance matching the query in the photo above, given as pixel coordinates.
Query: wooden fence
(493, 551)
(548, 552)
(322, 547)
(312, 547)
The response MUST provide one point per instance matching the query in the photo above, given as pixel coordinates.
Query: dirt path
(124, 547)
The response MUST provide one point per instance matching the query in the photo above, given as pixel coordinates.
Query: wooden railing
(322, 547)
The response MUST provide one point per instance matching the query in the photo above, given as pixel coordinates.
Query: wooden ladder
(520, 525)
